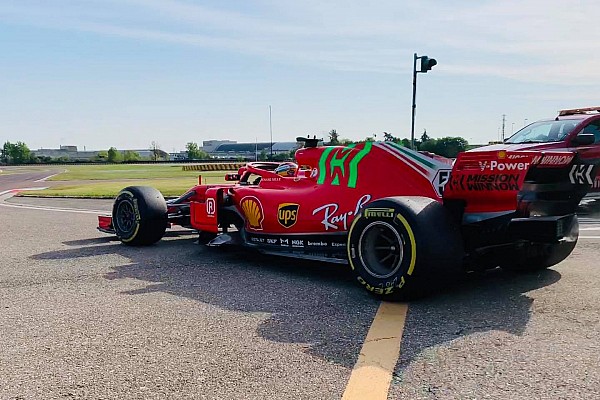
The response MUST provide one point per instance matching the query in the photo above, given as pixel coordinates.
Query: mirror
(584, 139)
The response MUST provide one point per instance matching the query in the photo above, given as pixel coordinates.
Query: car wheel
(139, 215)
(399, 247)
(539, 256)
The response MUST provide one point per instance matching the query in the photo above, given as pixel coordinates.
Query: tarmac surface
(11, 178)
(84, 317)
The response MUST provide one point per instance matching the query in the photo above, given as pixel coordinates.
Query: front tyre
(139, 215)
(400, 247)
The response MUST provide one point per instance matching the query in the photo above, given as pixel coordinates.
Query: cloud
(532, 41)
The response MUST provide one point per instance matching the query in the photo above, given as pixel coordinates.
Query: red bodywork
(332, 185)
(589, 153)
(309, 214)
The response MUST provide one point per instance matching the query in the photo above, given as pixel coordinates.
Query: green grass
(105, 181)
(173, 187)
(11, 170)
(128, 171)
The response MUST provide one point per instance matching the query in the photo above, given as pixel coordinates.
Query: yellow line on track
(372, 374)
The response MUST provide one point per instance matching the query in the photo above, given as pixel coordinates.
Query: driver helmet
(287, 169)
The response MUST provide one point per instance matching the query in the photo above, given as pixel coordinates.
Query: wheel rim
(381, 249)
(125, 217)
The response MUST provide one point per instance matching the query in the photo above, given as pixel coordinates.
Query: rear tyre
(139, 215)
(538, 256)
(400, 247)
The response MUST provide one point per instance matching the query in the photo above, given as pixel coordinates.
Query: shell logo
(502, 154)
(253, 211)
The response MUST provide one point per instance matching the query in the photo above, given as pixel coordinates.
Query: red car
(402, 220)
(576, 130)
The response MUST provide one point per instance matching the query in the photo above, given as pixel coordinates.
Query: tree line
(448, 146)
(19, 153)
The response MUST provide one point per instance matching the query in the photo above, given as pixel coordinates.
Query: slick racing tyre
(400, 247)
(139, 215)
(537, 256)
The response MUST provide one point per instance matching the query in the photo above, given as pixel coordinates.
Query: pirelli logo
(379, 213)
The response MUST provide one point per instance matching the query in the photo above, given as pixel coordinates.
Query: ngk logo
(503, 166)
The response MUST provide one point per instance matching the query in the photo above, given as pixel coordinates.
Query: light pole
(426, 64)
(271, 130)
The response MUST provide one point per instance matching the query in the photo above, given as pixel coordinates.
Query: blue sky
(124, 73)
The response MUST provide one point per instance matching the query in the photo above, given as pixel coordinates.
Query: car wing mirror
(584, 139)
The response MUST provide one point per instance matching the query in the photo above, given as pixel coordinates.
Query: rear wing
(496, 181)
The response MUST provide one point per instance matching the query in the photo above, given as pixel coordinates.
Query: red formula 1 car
(401, 219)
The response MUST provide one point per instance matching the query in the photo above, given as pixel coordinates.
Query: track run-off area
(84, 317)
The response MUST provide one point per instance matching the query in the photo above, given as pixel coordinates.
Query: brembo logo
(503, 166)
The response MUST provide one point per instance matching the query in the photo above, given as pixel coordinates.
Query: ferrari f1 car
(400, 219)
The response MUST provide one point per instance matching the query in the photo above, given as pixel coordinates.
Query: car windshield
(544, 131)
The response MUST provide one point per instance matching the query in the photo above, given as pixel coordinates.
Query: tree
(446, 146)
(333, 138)
(195, 153)
(451, 146)
(388, 137)
(102, 155)
(405, 142)
(430, 145)
(425, 137)
(129, 156)
(114, 155)
(4, 153)
(15, 153)
(263, 155)
(155, 151)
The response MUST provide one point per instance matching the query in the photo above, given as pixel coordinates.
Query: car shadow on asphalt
(494, 300)
(312, 303)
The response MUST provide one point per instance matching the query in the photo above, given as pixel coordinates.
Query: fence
(214, 167)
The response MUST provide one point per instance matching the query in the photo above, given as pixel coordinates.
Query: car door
(591, 153)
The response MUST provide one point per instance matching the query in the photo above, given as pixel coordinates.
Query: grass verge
(128, 171)
(169, 187)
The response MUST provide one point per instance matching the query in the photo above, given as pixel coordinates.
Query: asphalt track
(12, 179)
(84, 317)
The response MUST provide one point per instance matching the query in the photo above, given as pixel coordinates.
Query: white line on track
(21, 190)
(58, 209)
(594, 228)
(589, 237)
(44, 208)
(48, 177)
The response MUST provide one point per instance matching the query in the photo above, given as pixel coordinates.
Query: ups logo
(287, 214)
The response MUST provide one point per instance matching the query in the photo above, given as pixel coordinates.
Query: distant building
(148, 154)
(182, 155)
(210, 145)
(66, 152)
(250, 151)
(71, 153)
